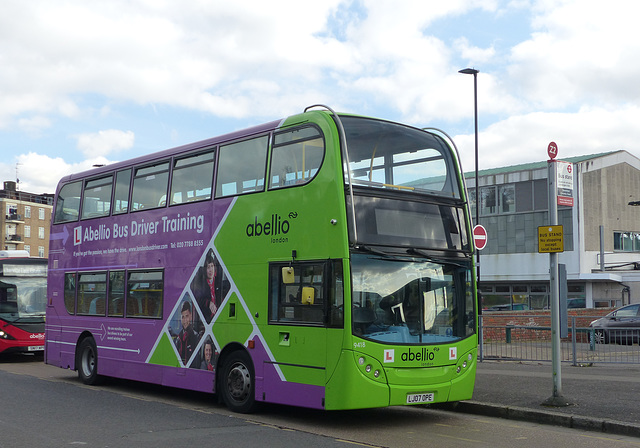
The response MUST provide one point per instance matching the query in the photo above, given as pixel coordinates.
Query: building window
(626, 241)
(496, 199)
(27, 247)
(488, 200)
(27, 231)
(27, 211)
(507, 198)
(515, 297)
(41, 233)
(41, 251)
(41, 214)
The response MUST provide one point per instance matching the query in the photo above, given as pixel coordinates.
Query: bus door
(306, 315)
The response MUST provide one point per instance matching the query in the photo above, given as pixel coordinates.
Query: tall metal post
(474, 72)
(556, 398)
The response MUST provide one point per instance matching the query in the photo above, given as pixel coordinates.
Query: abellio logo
(275, 226)
(422, 354)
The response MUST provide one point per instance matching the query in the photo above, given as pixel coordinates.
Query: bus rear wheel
(87, 362)
(237, 384)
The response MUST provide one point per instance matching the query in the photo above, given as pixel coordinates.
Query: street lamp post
(474, 72)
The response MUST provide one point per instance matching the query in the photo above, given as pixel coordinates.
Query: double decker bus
(322, 260)
(23, 300)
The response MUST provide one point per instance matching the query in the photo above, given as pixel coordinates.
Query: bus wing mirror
(308, 295)
(288, 276)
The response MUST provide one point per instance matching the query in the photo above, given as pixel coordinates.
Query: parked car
(621, 326)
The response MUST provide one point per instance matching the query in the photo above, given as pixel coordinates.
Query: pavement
(597, 397)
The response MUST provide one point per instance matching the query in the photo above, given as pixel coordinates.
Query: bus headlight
(5, 335)
(370, 367)
(465, 362)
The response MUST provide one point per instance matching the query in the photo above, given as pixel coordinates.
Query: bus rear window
(68, 203)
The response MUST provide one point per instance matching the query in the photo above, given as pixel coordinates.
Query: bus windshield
(400, 300)
(23, 299)
(393, 156)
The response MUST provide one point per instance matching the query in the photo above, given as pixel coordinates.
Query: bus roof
(14, 254)
(176, 150)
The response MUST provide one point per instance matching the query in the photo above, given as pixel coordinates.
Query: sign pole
(556, 398)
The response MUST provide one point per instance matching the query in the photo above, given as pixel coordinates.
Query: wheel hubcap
(88, 362)
(239, 382)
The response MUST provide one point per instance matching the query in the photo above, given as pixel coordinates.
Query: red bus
(23, 292)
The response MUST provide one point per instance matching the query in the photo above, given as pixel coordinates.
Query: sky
(84, 82)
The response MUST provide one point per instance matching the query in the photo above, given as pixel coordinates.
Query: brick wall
(496, 325)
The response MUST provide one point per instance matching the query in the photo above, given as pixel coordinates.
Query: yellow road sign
(550, 239)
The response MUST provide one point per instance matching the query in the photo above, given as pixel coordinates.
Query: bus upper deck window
(296, 157)
(192, 178)
(68, 203)
(241, 167)
(96, 199)
(121, 196)
(150, 186)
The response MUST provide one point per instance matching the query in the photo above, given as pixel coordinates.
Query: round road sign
(552, 150)
(479, 237)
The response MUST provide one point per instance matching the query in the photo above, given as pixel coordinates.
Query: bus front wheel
(87, 362)
(237, 384)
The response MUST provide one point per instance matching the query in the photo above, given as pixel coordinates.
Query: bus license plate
(35, 348)
(420, 398)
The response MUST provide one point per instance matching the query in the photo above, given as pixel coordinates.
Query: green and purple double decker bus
(323, 260)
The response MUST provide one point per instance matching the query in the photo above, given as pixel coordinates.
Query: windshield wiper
(413, 251)
(371, 250)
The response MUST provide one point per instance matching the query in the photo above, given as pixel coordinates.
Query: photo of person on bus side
(187, 339)
(209, 286)
(208, 355)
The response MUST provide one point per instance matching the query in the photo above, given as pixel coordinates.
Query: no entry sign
(479, 237)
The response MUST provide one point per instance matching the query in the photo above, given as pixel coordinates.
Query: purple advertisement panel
(139, 282)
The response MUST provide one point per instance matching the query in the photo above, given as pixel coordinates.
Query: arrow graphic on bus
(102, 331)
(64, 235)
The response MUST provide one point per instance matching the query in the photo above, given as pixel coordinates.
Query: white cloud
(473, 54)
(582, 52)
(524, 138)
(40, 174)
(102, 143)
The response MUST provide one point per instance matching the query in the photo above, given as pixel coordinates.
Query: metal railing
(584, 345)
